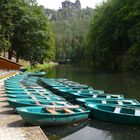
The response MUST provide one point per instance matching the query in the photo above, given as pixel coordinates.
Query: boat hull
(49, 119)
(114, 117)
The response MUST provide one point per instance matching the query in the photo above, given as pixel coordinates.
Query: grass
(41, 67)
(24, 63)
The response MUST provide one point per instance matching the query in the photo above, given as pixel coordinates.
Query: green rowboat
(83, 101)
(30, 102)
(52, 116)
(117, 114)
(73, 96)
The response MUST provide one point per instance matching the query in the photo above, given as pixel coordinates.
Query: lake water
(126, 84)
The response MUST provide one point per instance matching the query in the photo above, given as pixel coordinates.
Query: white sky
(55, 4)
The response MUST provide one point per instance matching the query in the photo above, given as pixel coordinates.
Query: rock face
(67, 4)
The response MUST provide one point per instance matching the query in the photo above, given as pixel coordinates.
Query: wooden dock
(12, 127)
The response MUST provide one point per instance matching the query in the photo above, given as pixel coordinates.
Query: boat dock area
(12, 127)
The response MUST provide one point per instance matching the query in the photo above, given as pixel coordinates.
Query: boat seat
(52, 111)
(47, 98)
(33, 97)
(37, 103)
(117, 110)
(108, 97)
(137, 112)
(133, 103)
(68, 110)
(103, 102)
(94, 96)
(41, 94)
(28, 93)
(120, 103)
(81, 110)
(53, 103)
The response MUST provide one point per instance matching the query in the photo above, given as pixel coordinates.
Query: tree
(25, 31)
(6, 25)
(33, 38)
(113, 33)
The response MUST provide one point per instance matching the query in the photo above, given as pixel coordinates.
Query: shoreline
(12, 125)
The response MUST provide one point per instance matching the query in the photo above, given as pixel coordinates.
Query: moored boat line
(94, 100)
(33, 102)
(24, 92)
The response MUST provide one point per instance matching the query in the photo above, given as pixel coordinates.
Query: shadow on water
(93, 130)
(126, 84)
(58, 132)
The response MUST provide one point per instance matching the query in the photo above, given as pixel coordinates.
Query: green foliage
(70, 27)
(113, 39)
(27, 31)
(6, 25)
(41, 67)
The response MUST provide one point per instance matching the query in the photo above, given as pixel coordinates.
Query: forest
(25, 31)
(114, 36)
(71, 29)
(105, 38)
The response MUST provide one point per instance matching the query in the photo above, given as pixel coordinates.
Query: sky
(56, 4)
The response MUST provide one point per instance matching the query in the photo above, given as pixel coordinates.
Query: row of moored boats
(45, 101)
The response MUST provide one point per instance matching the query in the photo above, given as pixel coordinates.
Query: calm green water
(126, 84)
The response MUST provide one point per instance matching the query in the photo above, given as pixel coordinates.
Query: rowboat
(117, 114)
(73, 96)
(83, 101)
(43, 94)
(56, 84)
(25, 91)
(47, 97)
(52, 116)
(25, 88)
(31, 102)
(37, 73)
(66, 92)
(24, 95)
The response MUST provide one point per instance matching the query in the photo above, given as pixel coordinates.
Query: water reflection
(58, 132)
(117, 131)
(89, 133)
(93, 130)
(127, 84)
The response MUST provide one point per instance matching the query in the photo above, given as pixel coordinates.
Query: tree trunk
(17, 56)
(10, 53)
(4, 53)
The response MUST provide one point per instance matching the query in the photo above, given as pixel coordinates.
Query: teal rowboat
(73, 96)
(24, 95)
(83, 101)
(38, 97)
(25, 91)
(30, 102)
(117, 114)
(37, 73)
(66, 92)
(52, 116)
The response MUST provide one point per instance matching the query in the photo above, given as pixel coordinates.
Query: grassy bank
(41, 67)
